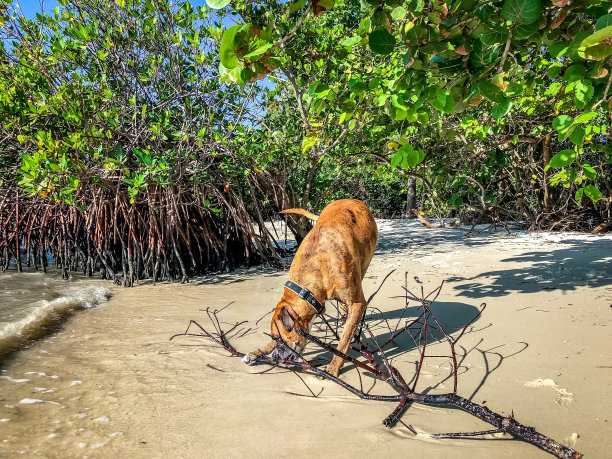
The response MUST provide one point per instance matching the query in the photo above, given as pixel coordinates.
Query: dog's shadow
(452, 316)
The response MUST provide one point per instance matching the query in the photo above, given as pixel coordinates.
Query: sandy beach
(109, 383)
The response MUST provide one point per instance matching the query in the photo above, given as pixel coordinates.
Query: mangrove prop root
(372, 358)
(168, 233)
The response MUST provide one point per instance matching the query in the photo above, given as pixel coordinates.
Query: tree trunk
(547, 155)
(411, 198)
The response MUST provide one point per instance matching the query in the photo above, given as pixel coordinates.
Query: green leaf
(494, 34)
(381, 42)
(217, 4)
(554, 71)
(439, 101)
(327, 4)
(562, 159)
(254, 55)
(585, 117)
(594, 46)
(562, 123)
(296, 6)
(398, 102)
(374, 82)
(574, 73)
(483, 55)
(485, 13)
(318, 90)
(449, 105)
(584, 93)
(309, 141)
(579, 193)
(364, 26)
(558, 49)
(491, 92)
(397, 158)
(593, 193)
(412, 158)
(351, 41)
(514, 89)
(603, 22)
(588, 171)
(227, 51)
(522, 31)
(357, 86)
(399, 13)
(501, 109)
(577, 136)
(522, 11)
(597, 37)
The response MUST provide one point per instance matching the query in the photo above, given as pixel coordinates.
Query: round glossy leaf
(584, 93)
(494, 35)
(381, 42)
(217, 4)
(603, 22)
(522, 11)
(522, 31)
(574, 73)
(491, 92)
(483, 55)
(558, 49)
(399, 13)
(563, 158)
(501, 109)
(597, 37)
(514, 89)
(562, 123)
(227, 52)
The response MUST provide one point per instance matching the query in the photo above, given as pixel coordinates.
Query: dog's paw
(249, 359)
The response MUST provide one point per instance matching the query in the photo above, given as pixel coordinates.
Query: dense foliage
(498, 107)
(117, 142)
(138, 138)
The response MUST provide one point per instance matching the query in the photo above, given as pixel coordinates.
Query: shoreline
(110, 384)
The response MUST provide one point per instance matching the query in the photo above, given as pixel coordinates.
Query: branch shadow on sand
(577, 264)
(453, 316)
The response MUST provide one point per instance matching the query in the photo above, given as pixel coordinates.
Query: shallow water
(33, 304)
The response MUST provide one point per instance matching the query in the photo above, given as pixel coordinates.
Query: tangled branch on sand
(372, 357)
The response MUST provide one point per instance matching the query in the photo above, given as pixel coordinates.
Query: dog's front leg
(254, 356)
(355, 312)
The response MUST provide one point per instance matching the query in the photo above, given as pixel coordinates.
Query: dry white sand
(110, 384)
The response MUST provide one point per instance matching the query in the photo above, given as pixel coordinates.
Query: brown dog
(329, 264)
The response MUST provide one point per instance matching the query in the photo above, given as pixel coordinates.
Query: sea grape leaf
(381, 42)
(562, 159)
(522, 11)
(217, 4)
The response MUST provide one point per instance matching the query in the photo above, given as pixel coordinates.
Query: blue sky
(31, 7)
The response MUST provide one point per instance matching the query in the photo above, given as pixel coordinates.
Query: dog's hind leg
(355, 313)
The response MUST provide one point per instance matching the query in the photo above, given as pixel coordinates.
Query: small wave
(44, 313)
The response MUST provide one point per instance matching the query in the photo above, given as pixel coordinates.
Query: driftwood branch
(371, 358)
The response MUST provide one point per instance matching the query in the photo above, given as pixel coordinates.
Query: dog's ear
(286, 319)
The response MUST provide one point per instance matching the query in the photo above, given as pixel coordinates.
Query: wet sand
(111, 384)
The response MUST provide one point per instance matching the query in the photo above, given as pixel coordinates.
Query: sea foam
(34, 320)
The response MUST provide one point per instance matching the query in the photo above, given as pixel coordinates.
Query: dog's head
(286, 319)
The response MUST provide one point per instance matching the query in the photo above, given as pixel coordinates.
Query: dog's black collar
(306, 295)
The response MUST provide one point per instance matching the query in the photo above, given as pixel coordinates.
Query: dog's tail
(303, 212)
